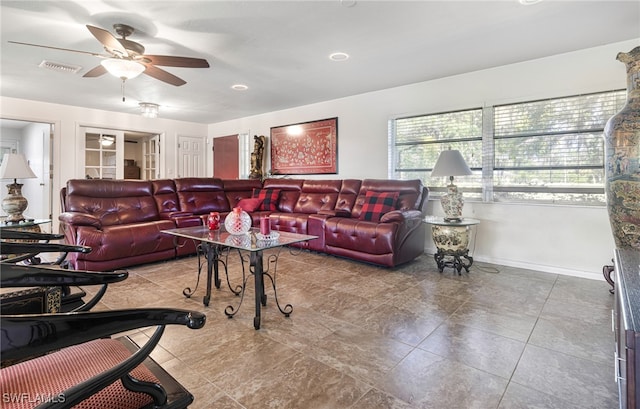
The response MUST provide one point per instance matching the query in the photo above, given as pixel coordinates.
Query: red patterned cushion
(31, 382)
(376, 204)
(269, 198)
(250, 204)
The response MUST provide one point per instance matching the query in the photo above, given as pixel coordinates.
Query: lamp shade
(123, 69)
(15, 166)
(450, 163)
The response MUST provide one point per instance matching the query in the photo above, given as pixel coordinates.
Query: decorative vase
(237, 222)
(622, 155)
(213, 221)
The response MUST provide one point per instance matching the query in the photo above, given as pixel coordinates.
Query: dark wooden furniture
(626, 326)
(33, 346)
(132, 172)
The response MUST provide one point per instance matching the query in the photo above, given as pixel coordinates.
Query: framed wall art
(305, 148)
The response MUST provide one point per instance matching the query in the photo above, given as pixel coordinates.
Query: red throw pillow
(250, 204)
(269, 198)
(376, 204)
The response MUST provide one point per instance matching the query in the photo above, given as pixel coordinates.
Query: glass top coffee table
(214, 242)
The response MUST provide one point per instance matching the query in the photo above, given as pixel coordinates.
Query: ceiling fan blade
(171, 61)
(58, 48)
(110, 43)
(96, 71)
(164, 76)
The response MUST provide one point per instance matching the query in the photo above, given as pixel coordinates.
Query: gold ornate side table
(452, 242)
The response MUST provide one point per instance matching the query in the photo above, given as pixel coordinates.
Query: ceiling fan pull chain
(122, 88)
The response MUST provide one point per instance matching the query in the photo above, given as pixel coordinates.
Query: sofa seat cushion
(269, 198)
(48, 376)
(377, 204)
(119, 241)
(289, 222)
(360, 236)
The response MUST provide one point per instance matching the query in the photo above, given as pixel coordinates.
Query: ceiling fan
(126, 59)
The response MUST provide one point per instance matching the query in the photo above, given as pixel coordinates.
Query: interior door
(151, 158)
(104, 153)
(225, 157)
(190, 156)
(34, 141)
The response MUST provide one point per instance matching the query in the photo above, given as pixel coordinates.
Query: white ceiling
(280, 49)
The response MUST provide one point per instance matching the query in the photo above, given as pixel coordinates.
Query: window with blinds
(552, 150)
(419, 140)
(548, 151)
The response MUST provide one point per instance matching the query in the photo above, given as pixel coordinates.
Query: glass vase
(237, 222)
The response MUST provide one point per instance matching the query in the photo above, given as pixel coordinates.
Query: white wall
(68, 119)
(561, 239)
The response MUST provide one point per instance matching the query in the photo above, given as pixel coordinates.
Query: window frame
(485, 188)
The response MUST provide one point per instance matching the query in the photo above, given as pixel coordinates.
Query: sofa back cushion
(348, 194)
(201, 195)
(165, 195)
(409, 193)
(114, 202)
(289, 192)
(238, 189)
(317, 195)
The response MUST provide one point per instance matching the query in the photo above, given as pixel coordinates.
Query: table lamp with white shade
(14, 166)
(451, 163)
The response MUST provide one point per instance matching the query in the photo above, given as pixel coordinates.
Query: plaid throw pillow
(249, 205)
(269, 198)
(376, 204)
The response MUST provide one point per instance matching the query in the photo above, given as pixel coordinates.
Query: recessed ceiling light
(528, 2)
(239, 87)
(339, 57)
(347, 3)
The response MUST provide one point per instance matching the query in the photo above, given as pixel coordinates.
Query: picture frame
(305, 148)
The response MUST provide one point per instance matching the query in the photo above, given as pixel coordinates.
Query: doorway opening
(33, 140)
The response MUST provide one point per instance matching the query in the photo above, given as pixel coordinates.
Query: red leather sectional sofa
(122, 219)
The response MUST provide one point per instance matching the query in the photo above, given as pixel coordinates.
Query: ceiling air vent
(56, 66)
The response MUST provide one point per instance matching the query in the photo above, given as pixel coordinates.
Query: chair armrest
(10, 247)
(35, 276)
(80, 219)
(24, 336)
(28, 235)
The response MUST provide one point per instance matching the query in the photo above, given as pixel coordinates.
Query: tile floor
(364, 337)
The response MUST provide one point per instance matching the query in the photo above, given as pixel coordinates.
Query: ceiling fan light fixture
(123, 69)
(149, 109)
(106, 140)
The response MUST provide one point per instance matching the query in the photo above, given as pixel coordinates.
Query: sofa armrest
(400, 216)
(334, 213)
(80, 219)
(173, 215)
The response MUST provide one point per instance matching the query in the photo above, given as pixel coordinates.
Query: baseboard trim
(537, 267)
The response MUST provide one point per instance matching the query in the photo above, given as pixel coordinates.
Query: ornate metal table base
(216, 245)
(257, 269)
(456, 260)
(212, 254)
